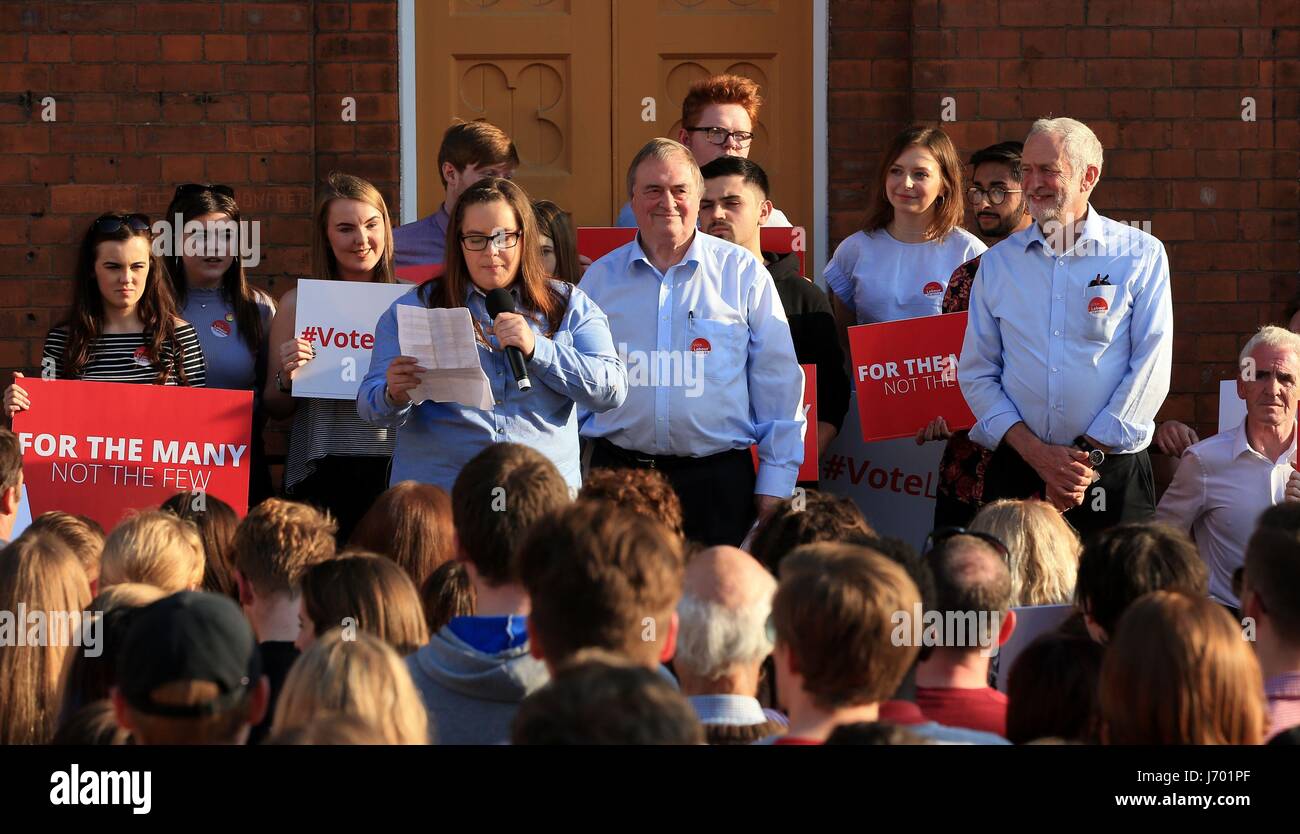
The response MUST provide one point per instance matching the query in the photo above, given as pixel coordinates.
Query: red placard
(102, 448)
(808, 471)
(597, 241)
(418, 273)
(905, 373)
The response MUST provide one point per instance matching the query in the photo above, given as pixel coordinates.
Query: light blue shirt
(711, 366)
(577, 365)
(1067, 358)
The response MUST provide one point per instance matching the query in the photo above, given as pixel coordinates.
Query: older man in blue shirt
(1067, 352)
(711, 365)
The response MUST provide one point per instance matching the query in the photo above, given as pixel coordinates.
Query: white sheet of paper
(442, 340)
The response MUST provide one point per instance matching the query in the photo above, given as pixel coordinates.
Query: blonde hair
(360, 676)
(126, 595)
(154, 548)
(39, 571)
(1044, 550)
(347, 187)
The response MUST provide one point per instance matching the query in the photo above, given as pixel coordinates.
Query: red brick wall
(1160, 82)
(150, 95)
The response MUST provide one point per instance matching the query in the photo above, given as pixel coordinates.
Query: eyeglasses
(995, 195)
(198, 188)
(110, 223)
(720, 135)
(501, 240)
(942, 535)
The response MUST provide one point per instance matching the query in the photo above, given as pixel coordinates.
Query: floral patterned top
(961, 470)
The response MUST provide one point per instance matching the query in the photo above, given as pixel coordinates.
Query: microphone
(500, 301)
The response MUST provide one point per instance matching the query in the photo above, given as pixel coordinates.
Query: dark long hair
(235, 288)
(157, 308)
(554, 222)
(535, 288)
(949, 209)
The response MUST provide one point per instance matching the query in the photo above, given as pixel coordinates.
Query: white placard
(893, 482)
(1232, 409)
(339, 318)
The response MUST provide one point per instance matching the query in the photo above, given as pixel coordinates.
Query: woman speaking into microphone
(562, 338)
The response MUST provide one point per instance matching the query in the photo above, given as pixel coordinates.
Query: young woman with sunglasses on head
(122, 325)
(232, 318)
(337, 461)
(493, 242)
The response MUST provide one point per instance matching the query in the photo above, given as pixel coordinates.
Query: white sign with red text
(893, 482)
(338, 318)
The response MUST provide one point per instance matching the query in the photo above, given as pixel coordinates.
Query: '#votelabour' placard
(905, 375)
(338, 318)
(102, 448)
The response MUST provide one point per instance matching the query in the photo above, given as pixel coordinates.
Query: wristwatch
(1095, 456)
(279, 383)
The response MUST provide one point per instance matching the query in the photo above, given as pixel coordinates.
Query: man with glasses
(718, 118)
(997, 200)
(711, 364)
(1069, 344)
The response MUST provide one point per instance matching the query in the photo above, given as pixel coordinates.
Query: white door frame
(406, 87)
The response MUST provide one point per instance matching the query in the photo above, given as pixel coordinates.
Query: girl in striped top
(122, 325)
(337, 461)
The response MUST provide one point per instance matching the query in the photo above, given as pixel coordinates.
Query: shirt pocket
(720, 347)
(1100, 312)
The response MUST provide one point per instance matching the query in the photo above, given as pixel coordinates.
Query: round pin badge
(1098, 306)
(701, 345)
(141, 357)
(932, 289)
(220, 329)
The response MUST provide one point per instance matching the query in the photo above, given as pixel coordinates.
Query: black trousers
(346, 487)
(1125, 492)
(717, 491)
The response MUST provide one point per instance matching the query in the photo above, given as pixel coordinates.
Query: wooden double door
(581, 85)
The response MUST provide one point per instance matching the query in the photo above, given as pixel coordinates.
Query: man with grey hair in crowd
(711, 363)
(1069, 343)
(1224, 482)
(722, 641)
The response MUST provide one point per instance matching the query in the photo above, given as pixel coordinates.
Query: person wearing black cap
(190, 673)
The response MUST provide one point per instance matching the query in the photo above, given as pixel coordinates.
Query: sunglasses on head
(110, 223)
(938, 537)
(198, 188)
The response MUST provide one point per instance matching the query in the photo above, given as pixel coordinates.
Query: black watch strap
(1095, 456)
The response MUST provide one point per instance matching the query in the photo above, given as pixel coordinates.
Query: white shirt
(884, 279)
(1074, 343)
(1221, 487)
(710, 362)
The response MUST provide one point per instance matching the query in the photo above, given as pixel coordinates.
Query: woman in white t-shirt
(898, 266)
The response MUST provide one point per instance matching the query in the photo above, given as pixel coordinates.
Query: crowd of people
(622, 551)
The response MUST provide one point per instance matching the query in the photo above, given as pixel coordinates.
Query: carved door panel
(662, 46)
(567, 79)
(539, 69)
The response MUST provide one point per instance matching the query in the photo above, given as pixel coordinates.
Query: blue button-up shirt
(711, 366)
(577, 365)
(1073, 343)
